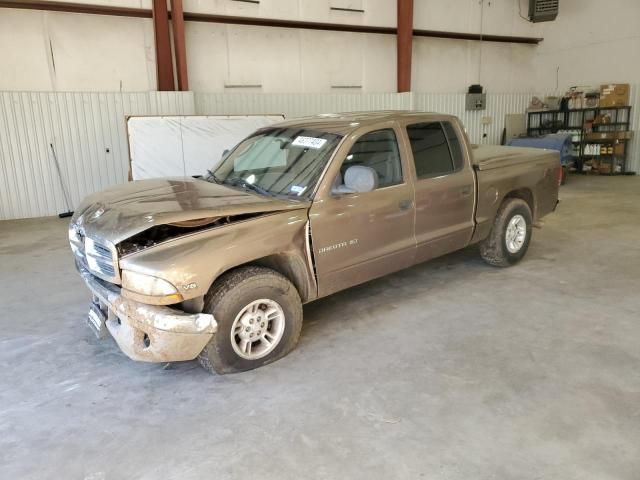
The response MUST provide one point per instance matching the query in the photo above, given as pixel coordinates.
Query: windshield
(278, 161)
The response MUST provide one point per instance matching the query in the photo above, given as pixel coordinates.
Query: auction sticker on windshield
(309, 142)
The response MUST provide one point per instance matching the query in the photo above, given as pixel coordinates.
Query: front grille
(101, 259)
(97, 256)
(102, 250)
(105, 268)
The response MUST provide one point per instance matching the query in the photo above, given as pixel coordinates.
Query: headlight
(148, 289)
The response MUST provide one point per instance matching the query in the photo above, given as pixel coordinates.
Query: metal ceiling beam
(404, 44)
(164, 59)
(179, 45)
(477, 37)
(339, 27)
(72, 7)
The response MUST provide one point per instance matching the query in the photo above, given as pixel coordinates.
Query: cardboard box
(589, 137)
(605, 168)
(614, 95)
(618, 149)
(626, 135)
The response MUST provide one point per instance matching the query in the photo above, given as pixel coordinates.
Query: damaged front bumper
(150, 333)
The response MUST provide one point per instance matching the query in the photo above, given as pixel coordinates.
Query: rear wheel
(259, 315)
(510, 235)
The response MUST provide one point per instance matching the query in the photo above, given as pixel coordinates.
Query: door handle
(405, 204)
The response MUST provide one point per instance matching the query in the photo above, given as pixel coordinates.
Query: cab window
(430, 148)
(454, 145)
(378, 151)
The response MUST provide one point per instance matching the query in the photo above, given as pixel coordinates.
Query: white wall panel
(57, 51)
(590, 43)
(89, 135)
(239, 59)
(500, 17)
(443, 65)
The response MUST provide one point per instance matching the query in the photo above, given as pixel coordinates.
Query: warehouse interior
(446, 369)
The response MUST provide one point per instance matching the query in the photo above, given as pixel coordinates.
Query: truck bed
(488, 157)
(531, 172)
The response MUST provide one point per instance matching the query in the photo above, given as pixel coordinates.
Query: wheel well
(290, 266)
(526, 195)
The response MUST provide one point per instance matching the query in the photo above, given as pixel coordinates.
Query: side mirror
(338, 188)
(341, 190)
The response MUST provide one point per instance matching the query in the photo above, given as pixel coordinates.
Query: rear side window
(454, 145)
(430, 149)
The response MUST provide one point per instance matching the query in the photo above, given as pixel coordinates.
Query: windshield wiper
(240, 182)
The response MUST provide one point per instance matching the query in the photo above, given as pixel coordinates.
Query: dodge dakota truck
(217, 268)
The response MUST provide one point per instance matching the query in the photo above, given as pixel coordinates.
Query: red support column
(405, 44)
(179, 45)
(164, 59)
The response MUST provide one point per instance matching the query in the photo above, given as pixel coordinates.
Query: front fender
(192, 262)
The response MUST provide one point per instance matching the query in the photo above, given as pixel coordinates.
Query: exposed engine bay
(162, 233)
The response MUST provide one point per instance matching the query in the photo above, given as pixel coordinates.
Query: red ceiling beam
(404, 44)
(72, 7)
(339, 27)
(179, 45)
(164, 59)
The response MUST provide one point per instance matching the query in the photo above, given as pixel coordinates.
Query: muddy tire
(264, 311)
(510, 235)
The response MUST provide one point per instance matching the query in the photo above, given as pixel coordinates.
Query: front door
(361, 236)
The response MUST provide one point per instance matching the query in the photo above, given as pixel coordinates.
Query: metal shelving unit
(551, 121)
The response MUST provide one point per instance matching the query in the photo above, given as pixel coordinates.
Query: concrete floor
(449, 370)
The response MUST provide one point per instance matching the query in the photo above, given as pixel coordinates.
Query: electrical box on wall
(543, 10)
(476, 101)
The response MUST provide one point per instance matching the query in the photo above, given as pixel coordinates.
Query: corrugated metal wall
(89, 134)
(297, 105)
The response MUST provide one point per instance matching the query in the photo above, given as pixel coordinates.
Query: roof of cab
(344, 123)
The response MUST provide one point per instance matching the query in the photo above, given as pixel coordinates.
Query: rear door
(444, 188)
(360, 236)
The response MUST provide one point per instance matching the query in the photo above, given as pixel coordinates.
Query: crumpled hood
(120, 212)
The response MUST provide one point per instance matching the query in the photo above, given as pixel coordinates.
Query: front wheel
(510, 235)
(259, 315)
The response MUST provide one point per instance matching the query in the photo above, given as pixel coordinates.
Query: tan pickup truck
(218, 268)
